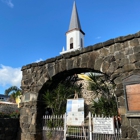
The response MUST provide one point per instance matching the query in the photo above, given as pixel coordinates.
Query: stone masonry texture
(118, 58)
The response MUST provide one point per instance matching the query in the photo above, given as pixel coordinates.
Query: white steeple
(75, 35)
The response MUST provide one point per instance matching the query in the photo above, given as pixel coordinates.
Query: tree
(56, 99)
(105, 101)
(11, 90)
(14, 92)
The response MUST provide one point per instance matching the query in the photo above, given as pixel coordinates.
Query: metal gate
(55, 128)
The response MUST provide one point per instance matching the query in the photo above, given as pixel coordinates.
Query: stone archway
(118, 58)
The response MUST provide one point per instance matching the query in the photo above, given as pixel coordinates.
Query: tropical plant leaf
(56, 99)
(103, 88)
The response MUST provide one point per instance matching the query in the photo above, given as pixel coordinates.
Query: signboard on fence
(75, 112)
(103, 125)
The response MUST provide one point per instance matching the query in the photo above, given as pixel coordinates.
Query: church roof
(74, 22)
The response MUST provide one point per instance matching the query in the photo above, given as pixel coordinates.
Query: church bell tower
(75, 35)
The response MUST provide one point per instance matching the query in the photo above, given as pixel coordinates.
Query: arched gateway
(118, 58)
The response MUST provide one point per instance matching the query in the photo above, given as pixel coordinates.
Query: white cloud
(8, 2)
(39, 60)
(99, 37)
(10, 76)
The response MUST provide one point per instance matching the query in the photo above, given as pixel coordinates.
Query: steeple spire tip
(74, 22)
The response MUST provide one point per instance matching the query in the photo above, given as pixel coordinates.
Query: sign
(103, 125)
(75, 112)
(27, 97)
(131, 86)
(133, 97)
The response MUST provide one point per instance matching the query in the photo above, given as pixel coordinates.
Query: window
(71, 43)
(81, 42)
(1, 98)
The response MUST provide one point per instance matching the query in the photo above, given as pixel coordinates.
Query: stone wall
(9, 128)
(30, 124)
(85, 92)
(130, 128)
(8, 108)
(117, 58)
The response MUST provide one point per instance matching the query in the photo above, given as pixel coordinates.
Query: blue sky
(34, 30)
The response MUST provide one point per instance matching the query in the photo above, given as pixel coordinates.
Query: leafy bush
(58, 91)
(104, 106)
(105, 101)
(56, 99)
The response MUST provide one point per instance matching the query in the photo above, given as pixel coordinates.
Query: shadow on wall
(9, 129)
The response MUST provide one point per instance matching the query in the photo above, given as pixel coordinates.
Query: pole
(90, 130)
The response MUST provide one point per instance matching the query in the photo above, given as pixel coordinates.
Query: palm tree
(14, 92)
(56, 98)
(105, 101)
(11, 90)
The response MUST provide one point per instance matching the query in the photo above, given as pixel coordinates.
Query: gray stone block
(98, 64)
(129, 132)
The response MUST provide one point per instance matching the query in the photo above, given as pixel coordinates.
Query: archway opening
(72, 76)
(89, 96)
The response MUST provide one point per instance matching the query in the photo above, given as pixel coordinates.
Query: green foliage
(56, 99)
(101, 85)
(14, 95)
(14, 92)
(54, 123)
(12, 89)
(104, 89)
(104, 106)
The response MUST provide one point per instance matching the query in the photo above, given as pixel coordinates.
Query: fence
(54, 127)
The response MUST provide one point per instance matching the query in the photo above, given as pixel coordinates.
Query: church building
(75, 35)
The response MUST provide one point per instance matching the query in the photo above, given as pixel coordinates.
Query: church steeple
(75, 35)
(74, 22)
